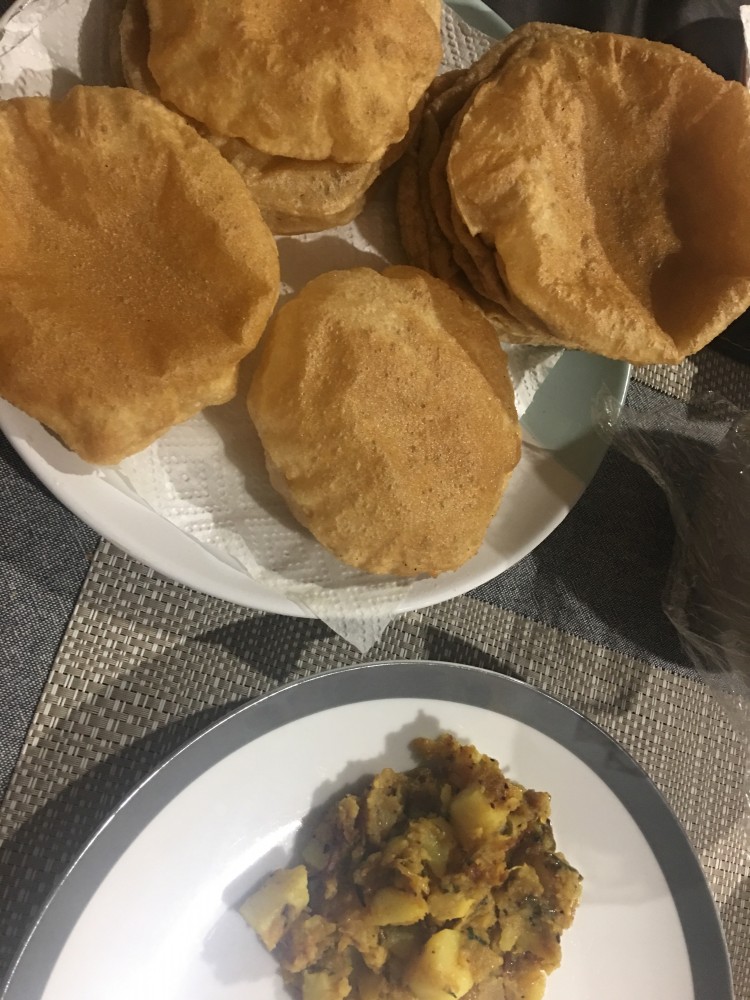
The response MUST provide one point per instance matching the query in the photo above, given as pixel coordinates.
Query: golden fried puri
(574, 187)
(135, 267)
(425, 245)
(336, 79)
(610, 176)
(440, 883)
(435, 9)
(387, 416)
(301, 196)
(425, 212)
(294, 196)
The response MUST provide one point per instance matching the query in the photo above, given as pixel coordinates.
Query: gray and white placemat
(146, 663)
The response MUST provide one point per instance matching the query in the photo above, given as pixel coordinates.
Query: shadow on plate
(231, 947)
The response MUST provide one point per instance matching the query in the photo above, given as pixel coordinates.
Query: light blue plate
(479, 16)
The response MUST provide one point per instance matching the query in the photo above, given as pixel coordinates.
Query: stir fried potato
(435, 884)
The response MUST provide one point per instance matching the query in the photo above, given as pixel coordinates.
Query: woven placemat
(708, 372)
(146, 663)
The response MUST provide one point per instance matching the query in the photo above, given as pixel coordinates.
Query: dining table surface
(107, 667)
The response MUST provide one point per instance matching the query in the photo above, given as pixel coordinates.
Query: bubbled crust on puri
(332, 79)
(136, 269)
(387, 417)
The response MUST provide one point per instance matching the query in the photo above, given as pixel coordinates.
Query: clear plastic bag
(699, 456)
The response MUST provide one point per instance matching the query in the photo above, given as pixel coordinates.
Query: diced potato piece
(512, 928)
(438, 840)
(394, 906)
(475, 817)
(440, 971)
(279, 901)
(446, 906)
(324, 986)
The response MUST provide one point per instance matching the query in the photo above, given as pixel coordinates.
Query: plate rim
(456, 683)
(15, 8)
(232, 581)
(188, 567)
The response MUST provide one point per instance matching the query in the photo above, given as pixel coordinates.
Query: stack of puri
(586, 190)
(309, 102)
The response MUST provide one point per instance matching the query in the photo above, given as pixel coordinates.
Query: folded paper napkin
(207, 476)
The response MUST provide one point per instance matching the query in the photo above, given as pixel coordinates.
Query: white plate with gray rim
(149, 909)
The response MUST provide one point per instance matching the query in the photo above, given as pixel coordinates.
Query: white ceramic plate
(545, 486)
(149, 909)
